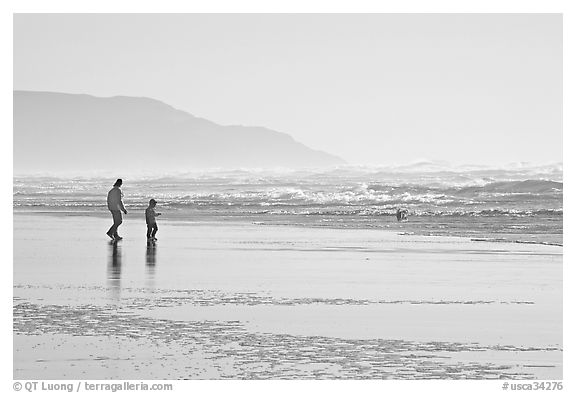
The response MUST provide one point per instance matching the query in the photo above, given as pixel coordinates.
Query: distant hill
(57, 132)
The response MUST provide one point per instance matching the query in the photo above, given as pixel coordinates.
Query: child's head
(152, 202)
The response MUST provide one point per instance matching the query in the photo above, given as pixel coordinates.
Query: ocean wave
(317, 192)
(516, 187)
(392, 212)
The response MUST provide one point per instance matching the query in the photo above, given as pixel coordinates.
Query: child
(151, 220)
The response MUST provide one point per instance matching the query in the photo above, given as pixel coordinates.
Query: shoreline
(490, 237)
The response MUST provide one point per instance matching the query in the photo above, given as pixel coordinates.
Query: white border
(306, 6)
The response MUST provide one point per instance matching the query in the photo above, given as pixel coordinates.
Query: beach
(241, 300)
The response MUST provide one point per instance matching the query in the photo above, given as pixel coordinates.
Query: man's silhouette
(115, 206)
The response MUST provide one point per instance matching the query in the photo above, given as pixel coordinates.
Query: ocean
(521, 203)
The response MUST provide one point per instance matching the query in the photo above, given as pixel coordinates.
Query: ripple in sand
(171, 298)
(233, 352)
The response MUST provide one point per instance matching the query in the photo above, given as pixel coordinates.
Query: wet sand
(279, 302)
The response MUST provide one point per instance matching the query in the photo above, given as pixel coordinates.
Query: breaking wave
(327, 196)
(474, 202)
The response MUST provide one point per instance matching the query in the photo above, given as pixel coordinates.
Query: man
(115, 205)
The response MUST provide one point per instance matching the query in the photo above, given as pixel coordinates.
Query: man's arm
(120, 204)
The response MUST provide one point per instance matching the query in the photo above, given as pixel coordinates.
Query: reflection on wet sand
(114, 269)
(150, 263)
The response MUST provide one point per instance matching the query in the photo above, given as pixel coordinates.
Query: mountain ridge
(62, 131)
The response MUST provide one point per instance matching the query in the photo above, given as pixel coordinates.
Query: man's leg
(113, 229)
(155, 226)
(149, 231)
(117, 221)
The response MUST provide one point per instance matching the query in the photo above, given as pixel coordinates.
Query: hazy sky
(373, 89)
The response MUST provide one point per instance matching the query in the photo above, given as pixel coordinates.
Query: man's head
(118, 183)
(152, 202)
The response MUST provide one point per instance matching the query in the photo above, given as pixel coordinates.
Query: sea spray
(524, 201)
